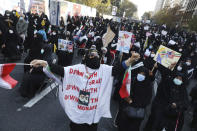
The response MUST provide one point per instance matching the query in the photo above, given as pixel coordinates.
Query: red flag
(6, 81)
(126, 83)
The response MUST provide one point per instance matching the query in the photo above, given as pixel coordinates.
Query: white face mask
(147, 54)
(177, 81)
(179, 68)
(188, 63)
(152, 55)
(54, 33)
(140, 77)
(11, 31)
(180, 50)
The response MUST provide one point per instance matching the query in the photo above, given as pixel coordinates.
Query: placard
(166, 56)
(65, 45)
(124, 41)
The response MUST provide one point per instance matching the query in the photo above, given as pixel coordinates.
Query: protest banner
(166, 56)
(108, 37)
(65, 45)
(124, 41)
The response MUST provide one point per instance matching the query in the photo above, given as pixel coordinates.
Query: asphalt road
(47, 114)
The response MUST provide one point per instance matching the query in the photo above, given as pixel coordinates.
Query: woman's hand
(128, 99)
(39, 63)
(173, 105)
(172, 65)
(134, 57)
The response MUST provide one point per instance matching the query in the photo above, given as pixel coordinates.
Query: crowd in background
(34, 35)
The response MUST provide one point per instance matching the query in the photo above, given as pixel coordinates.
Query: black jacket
(168, 93)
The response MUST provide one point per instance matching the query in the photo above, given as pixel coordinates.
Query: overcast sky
(144, 5)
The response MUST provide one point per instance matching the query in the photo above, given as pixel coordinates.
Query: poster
(108, 37)
(65, 45)
(166, 56)
(38, 6)
(124, 41)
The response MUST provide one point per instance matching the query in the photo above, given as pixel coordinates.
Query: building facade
(158, 6)
(190, 10)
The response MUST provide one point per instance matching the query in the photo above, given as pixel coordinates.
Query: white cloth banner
(124, 41)
(98, 84)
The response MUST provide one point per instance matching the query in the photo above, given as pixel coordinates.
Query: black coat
(168, 93)
(141, 92)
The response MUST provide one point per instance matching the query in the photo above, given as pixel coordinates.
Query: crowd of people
(165, 89)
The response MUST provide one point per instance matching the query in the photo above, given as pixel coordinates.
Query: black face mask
(93, 63)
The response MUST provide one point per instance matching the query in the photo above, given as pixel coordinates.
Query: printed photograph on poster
(166, 56)
(65, 45)
(38, 6)
(124, 41)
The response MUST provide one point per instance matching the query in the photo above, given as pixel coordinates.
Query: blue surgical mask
(140, 77)
(177, 82)
(42, 51)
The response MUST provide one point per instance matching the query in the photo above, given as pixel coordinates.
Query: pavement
(47, 114)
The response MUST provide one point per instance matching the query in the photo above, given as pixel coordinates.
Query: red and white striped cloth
(6, 81)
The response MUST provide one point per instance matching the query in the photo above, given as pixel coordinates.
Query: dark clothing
(64, 58)
(162, 113)
(33, 80)
(83, 127)
(31, 84)
(141, 94)
(193, 95)
(12, 45)
(128, 124)
(4, 30)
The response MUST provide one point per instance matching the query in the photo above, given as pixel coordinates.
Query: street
(46, 114)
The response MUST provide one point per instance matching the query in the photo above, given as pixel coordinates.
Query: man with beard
(90, 86)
